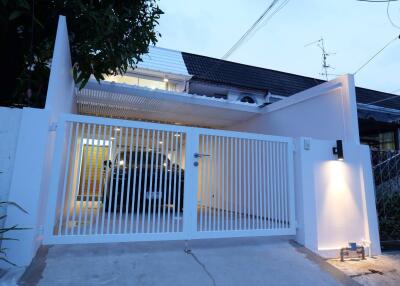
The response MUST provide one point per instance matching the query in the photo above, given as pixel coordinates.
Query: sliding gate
(117, 180)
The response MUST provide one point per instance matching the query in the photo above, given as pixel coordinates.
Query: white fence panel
(245, 185)
(117, 180)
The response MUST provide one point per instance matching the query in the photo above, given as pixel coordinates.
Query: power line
(242, 39)
(377, 1)
(388, 98)
(369, 60)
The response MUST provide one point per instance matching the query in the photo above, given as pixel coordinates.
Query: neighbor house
(189, 147)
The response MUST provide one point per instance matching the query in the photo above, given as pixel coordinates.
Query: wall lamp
(338, 150)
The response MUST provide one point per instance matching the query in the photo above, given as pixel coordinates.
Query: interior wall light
(338, 150)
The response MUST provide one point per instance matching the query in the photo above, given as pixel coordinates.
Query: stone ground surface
(383, 270)
(255, 261)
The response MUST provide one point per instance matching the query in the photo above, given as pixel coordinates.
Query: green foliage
(6, 230)
(388, 208)
(106, 37)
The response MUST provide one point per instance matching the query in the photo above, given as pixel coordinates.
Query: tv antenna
(325, 66)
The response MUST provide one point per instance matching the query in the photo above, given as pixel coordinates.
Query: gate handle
(197, 155)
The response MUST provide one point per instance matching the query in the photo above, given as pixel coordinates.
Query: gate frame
(190, 185)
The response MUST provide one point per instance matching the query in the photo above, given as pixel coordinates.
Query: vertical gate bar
(63, 192)
(180, 180)
(117, 181)
(280, 183)
(165, 181)
(124, 170)
(95, 178)
(259, 186)
(208, 186)
(170, 167)
(224, 208)
(268, 186)
(157, 171)
(202, 181)
(77, 187)
(218, 182)
(71, 188)
(87, 197)
(117, 192)
(245, 182)
(231, 186)
(145, 179)
(251, 180)
(151, 179)
(107, 181)
(140, 182)
(128, 189)
(257, 183)
(112, 171)
(174, 191)
(285, 186)
(238, 184)
(136, 191)
(82, 189)
(214, 183)
(275, 176)
(264, 189)
(160, 187)
(248, 191)
(253, 183)
(101, 194)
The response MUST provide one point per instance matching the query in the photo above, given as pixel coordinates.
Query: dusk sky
(352, 29)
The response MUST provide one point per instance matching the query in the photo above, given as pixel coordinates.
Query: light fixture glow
(177, 135)
(112, 138)
(121, 163)
(160, 142)
(165, 79)
(117, 129)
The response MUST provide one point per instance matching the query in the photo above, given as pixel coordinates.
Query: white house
(139, 158)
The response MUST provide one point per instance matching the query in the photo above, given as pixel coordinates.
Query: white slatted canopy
(139, 103)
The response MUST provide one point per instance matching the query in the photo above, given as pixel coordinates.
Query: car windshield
(147, 158)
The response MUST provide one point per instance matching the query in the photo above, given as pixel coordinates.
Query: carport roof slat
(132, 102)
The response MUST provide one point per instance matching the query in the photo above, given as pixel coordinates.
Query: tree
(106, 38)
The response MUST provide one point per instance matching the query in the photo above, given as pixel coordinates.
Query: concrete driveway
(255, 261)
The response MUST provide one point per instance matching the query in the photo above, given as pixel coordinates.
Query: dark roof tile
(276, 82)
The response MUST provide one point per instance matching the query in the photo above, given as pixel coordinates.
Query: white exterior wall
(335, 200)
(327, 111)
(60, 93)
(9, 127)
(34, 154)
(26, 185)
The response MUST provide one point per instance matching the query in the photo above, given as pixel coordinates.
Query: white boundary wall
(9, 125)
(335, 201)
(34, 154)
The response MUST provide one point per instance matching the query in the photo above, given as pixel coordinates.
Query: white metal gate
(117, 180)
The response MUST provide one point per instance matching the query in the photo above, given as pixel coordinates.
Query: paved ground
(383, 270)
(255, 261)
